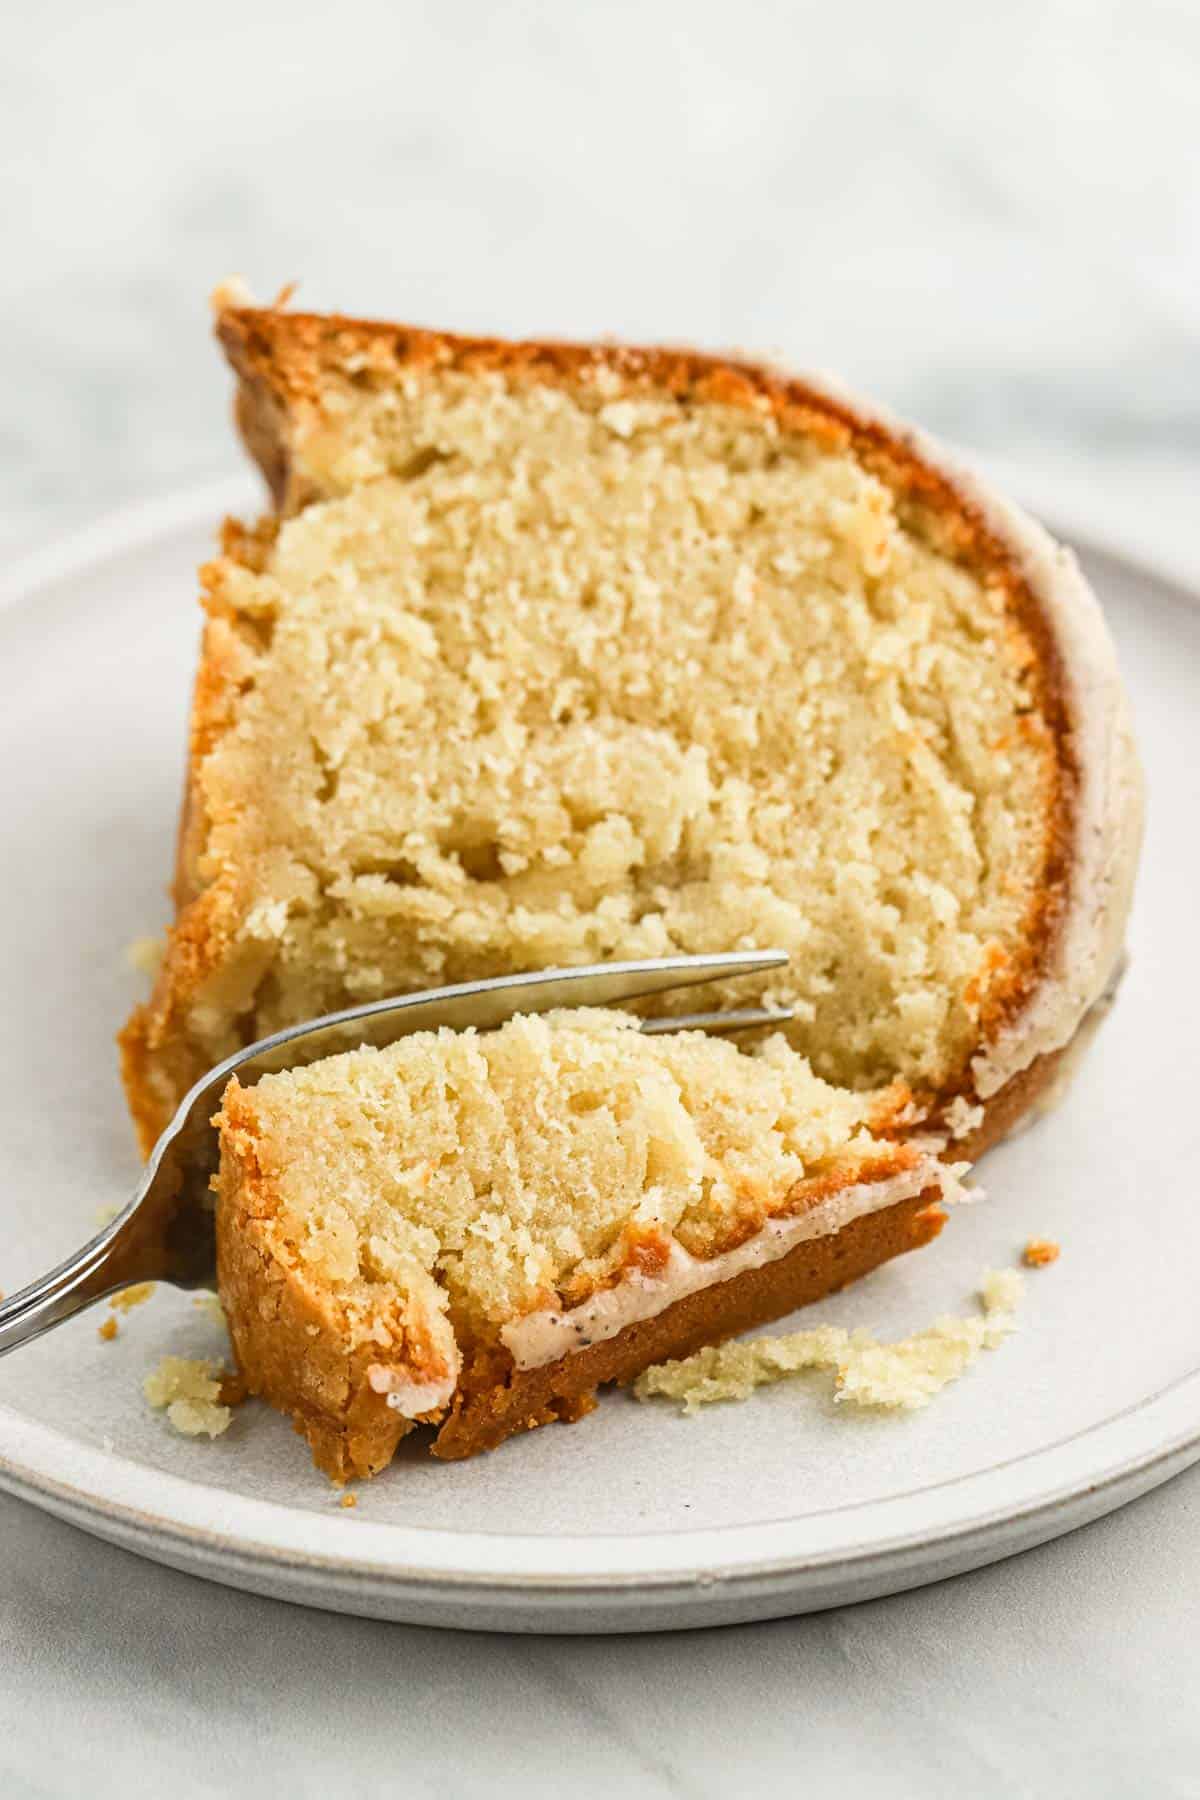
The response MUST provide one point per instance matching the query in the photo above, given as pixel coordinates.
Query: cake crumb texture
(570, 693)
(902, 1376)
(136, 1295)
(1039, 1252)
(192, 1391)
(565, 666)
(493, 1173)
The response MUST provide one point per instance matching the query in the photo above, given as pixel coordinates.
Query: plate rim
(213, 1528)
(276, 1537)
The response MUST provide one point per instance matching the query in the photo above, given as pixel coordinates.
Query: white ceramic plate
(637, 1518)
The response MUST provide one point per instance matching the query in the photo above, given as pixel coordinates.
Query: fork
(167, 1231)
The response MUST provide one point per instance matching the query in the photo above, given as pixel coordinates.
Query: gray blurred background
(987, 216)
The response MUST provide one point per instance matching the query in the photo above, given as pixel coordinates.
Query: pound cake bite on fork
(552, 654)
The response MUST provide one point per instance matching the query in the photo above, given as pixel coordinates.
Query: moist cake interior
(584, 676)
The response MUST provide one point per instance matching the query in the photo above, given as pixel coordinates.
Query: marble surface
(1070, 1670)
(988, 217)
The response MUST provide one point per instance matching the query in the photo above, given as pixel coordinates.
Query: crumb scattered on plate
(129, 1297)
(145, 954)
(196, 1393)
(348, 1500)
(109, 1329)
(900, 1376)
(1040, 1251)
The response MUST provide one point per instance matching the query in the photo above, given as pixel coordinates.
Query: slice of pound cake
(478, 1230)
(556, 654)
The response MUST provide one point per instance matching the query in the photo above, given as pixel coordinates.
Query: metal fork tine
(743, 1018)
(485, 1004)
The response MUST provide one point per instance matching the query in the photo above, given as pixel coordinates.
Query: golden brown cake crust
(289, 1333)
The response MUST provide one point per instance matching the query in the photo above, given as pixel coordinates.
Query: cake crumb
(109, 1329)
(348, 1500)
(1000, 1291)
(195, 1393)
(1038, 1252)
(129, 1297)
(899, 1377)
(962, 1118)
(145, 954)
(234, 292)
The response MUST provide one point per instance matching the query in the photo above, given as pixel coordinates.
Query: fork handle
(113, 1259)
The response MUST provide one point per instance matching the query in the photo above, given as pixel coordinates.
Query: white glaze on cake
(546, 1335)
(411, 1399)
